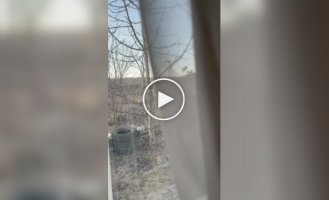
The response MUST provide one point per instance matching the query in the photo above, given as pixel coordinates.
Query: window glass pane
(141, 166)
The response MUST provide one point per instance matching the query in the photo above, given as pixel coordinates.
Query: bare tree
(127, 33)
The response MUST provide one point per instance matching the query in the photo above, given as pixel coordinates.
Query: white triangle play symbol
(163, 99)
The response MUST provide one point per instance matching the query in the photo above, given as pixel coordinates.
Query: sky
(44, 15)
(175, 19)
(75, 15)
(59, 15)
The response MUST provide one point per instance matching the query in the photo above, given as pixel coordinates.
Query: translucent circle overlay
(168, 118)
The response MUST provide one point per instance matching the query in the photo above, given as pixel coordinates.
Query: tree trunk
(148, 81)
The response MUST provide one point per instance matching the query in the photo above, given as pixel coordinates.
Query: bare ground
(144, 174)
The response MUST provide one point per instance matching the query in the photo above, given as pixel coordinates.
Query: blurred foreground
(53, 100)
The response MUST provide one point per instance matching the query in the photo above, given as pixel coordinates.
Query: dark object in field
(123, 141)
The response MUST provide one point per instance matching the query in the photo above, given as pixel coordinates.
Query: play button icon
(163, 99)
(168, 95)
